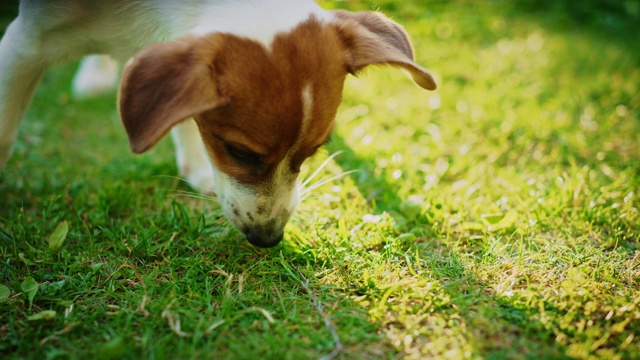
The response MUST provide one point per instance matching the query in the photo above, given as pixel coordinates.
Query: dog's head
(261, 110)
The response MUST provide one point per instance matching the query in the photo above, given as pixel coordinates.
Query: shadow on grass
(469, 295)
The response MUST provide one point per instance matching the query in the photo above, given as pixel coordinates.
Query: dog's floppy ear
(371, 38)
(165, 84)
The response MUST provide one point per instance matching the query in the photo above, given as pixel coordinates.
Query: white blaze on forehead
(307, 114)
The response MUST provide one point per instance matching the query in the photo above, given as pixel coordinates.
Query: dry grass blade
(173, 320)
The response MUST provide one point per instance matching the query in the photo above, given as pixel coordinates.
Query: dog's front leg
(21, 69)
(193, 162)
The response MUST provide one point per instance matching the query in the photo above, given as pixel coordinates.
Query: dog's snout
(261, 240)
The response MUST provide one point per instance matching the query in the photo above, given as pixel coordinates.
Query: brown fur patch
(265, 90)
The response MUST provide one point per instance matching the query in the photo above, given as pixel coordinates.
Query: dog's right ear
(166, 84)
(371, 38)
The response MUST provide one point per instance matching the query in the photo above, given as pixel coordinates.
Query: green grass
(494, 218)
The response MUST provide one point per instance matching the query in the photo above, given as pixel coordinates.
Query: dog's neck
(258, 20)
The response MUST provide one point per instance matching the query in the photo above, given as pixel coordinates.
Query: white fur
(258, 20)
(253, 212)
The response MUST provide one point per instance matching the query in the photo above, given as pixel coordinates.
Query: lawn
(497, 217)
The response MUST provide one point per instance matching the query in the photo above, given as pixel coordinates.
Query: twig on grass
(334, 333)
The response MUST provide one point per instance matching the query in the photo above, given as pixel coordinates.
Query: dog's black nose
(262, 241)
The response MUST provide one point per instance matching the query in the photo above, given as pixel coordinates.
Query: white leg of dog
(21, 69)
(97, 75)
(193, 162)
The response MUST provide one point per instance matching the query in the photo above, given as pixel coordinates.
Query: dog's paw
(200, 179)
(97, 75)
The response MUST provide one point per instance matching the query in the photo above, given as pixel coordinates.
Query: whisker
(325, 163)
(173, 177)
(190, 194)
(323, 182)
(309, 197)
(303, 210)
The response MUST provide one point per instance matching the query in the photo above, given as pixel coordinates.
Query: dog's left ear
(371, 38)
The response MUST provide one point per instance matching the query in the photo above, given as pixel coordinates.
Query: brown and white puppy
(249, 89)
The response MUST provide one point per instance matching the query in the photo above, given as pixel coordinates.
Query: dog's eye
(242, 155)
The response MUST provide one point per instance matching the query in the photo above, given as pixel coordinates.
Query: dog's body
(262, 79)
